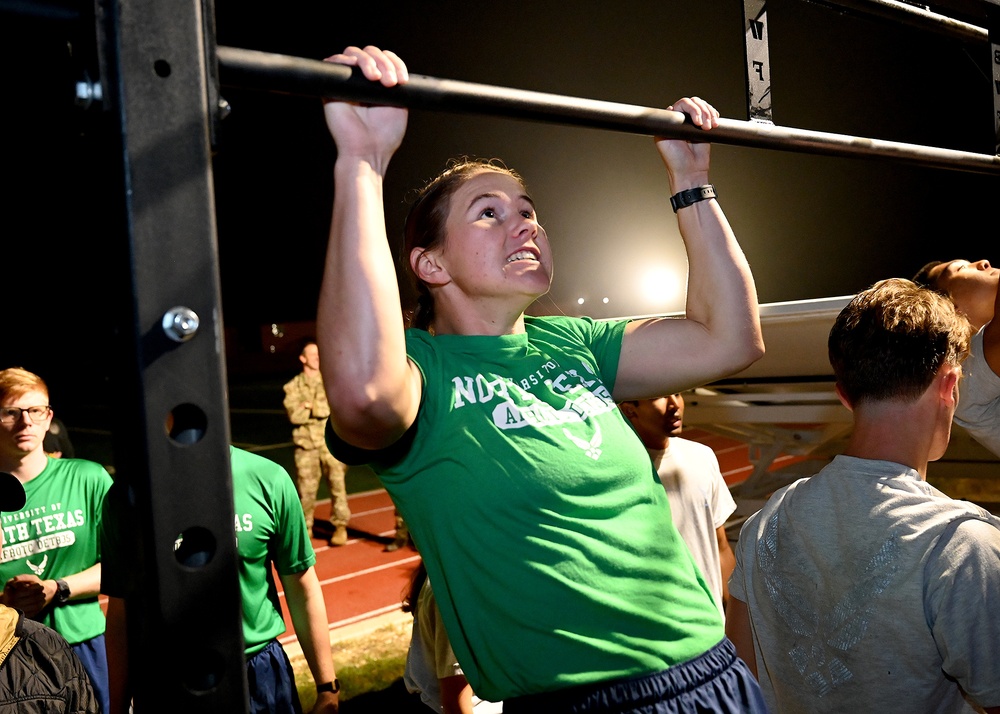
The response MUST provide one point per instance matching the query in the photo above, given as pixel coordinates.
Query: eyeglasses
(9, 415)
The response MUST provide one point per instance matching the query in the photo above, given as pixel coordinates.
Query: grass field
(370, 669)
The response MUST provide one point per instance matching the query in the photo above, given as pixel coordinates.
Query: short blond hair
(17, 381)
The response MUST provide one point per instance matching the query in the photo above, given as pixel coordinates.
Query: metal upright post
(159, 57)
(758, 66)
(993, 23)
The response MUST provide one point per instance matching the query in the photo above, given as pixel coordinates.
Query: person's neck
(656, 443)
(478, 324)
(980, 318)
(891, 431)
(309, 371)
(25, 467)
(456, 313)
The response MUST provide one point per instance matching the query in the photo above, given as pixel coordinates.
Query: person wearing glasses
(51, 566)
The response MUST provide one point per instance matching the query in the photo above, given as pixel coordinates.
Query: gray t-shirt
(979, 399)
(870, 590)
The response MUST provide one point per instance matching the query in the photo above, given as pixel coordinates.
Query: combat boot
(339, 536)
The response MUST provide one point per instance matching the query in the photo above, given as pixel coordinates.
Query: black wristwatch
(691, 196)
(62, 593)
(332, 687)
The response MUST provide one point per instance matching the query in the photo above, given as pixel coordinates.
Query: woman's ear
(426, 266)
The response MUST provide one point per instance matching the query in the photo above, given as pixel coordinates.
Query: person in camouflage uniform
(307, 407)
(402, 536)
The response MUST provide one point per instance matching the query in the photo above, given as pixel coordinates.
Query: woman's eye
(489, 213)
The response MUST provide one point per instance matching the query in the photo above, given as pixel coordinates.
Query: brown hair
(890, 341)
(425, 223)
(923, 276)
(413, 592)
(305, 342)
(17, 381)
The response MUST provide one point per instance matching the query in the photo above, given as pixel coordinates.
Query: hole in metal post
(202, 670)
(195, 547)
(186, 424)
(162, 68)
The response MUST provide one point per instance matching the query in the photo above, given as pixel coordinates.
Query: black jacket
(39, 672)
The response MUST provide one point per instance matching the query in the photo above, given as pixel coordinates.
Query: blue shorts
(717, 681)
(93, 655)
(271, 682)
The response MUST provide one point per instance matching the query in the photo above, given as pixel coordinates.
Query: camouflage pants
(402, 531)
(311, 465)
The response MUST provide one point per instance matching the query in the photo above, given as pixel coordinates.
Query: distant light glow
(605, 301)
(660, 285)
(579, 301)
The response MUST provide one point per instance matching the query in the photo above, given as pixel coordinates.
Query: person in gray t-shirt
(863, 588)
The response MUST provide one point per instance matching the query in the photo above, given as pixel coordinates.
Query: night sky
(811, 226)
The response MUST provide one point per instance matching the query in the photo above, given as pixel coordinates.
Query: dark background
(811, 226)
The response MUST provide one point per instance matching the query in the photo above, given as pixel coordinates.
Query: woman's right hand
(373, 390)
(367, 131)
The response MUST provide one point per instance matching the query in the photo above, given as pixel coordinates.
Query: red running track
(360, 580)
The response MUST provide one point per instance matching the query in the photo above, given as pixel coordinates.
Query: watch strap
(332, 687)
(62, 592)
(691, 196)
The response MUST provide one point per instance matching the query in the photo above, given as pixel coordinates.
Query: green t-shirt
(270, 528)
(57, 534)
(537, 511)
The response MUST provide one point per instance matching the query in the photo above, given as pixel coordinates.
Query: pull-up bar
(296, 75)
(918, 17)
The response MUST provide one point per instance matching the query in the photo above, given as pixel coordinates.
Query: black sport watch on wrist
(62, 593)
(332, 687)
(691, 196)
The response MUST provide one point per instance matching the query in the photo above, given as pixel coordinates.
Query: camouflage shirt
(307, 407)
